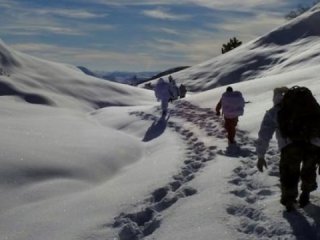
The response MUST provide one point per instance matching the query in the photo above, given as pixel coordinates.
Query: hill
(43, 82)
(268, 55)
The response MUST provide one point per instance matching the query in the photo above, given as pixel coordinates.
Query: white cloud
(38, 30)
(33, 30)
(59, 30)
(95, 58)
(214, 4)
(169, 31)
(18, 19)
(7, 4)
(235, 4)
(38, 49)
(162, 13)
(163, 30)
(78, 14)
(195, 50)
(252, 27)
(121, 3)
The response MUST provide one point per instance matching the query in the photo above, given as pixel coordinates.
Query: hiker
(173, 89)
(294, 150)
(182, 90)
(162, 93)
(232, 104)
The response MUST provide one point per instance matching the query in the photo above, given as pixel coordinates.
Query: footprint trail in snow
(143, 222)
(197, 126)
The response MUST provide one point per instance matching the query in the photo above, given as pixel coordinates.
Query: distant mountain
(148, 82)
(169, 71)
(131, 78)
(87, 71)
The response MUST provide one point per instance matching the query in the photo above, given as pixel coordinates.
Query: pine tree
(233, 43)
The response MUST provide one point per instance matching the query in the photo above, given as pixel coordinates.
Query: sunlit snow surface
(82, 158)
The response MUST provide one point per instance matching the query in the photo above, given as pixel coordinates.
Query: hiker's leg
(227, 126)
(289, 173)
(234, 123)
(164, 106)
(308, 173)
(230, 126)
(309, 168)
(230, 130)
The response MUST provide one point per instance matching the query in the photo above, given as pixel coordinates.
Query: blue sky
(135, 35)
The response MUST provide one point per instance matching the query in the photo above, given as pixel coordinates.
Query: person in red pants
(232, 105)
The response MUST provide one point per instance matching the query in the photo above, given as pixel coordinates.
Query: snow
(83, 158)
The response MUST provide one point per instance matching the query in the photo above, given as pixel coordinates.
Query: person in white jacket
(291, 156)
(162, 93)
(232, 104)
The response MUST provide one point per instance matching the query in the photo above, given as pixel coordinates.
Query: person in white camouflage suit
(298, 160)
(162, 93)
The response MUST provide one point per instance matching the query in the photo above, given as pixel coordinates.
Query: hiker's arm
(218, 107)
(267, 129)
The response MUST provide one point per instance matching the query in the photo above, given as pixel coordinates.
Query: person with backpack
(232, 105)
(163, 93)
(295, 118)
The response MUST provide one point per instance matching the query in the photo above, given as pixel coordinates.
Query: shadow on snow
(156, 129)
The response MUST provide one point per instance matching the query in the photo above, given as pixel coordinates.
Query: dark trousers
(230, 126)
(298, 161)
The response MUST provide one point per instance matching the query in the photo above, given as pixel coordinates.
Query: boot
(290, 205)
(304, 199)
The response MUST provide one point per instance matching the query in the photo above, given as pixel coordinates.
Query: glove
(218, 113)
(261, 163)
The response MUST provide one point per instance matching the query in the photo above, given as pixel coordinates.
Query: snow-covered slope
(52, 149)
(72, 172)
(292, 45)
(39, 81)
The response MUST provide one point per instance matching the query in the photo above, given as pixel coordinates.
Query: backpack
(232, 104)
(299, 115)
